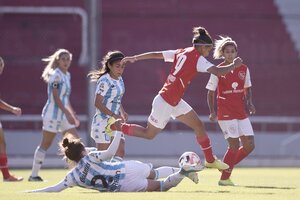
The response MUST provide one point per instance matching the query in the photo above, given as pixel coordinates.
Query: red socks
(241, 154)
(206, 148)
(128, 129)
(229, 159)
(3, 166)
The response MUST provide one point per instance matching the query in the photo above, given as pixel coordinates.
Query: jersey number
(179, 64)
(102, 178)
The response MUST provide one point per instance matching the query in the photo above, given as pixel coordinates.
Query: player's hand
(237, 62)
(125, 60)
(251, 109)
(124, 116)
(17, 111)
(212, 116)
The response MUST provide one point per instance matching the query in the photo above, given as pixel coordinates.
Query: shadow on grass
(269, 187)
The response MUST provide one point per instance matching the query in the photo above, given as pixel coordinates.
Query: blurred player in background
(58, 114)
(108, 100)
(94, 171)
(186, 63)
(3, 157)
(233, 92)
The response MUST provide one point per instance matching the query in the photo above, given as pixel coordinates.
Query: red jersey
(186, 63)
(230, 95)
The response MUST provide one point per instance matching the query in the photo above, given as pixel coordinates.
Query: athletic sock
(163, 172)
(241, 154)
(171, 181)
(206, 148)
(229, 159)
(39, 157)
(4, 166)
(128, 129)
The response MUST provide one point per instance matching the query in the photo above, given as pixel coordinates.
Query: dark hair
(109, 58)
(72, 149)
(201, 36)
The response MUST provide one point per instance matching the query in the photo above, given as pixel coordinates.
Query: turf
(254, 183)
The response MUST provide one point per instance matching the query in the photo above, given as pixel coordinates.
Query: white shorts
(162, 111)
(98, 130)
(55, 126)
(0, 125)
(235, 128)
(136, 174)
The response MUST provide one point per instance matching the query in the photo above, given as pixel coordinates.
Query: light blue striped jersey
(112, 91)
(92, 173)
(62, 82)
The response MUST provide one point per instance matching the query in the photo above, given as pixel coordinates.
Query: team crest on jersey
(234, 85)
(242, 75)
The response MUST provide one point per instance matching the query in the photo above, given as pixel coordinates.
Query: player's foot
(190, 171)
(113, 125)
(227, 182)
(13, 178)
(217, 164)
(108, 128)
(35, 179)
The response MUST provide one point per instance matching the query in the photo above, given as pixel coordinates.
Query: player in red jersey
(3, 157)
(186, 63)
(233, 91)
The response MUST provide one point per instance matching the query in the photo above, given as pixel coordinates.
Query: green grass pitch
(254, 184)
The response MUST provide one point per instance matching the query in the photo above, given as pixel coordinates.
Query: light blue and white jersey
(62, 82)
(92, 173)
(112, 91)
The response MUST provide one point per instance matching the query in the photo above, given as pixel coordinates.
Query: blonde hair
(108, 59)
(53, 63)
(221, 44)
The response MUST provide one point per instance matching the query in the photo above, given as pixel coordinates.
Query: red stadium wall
(136, 26)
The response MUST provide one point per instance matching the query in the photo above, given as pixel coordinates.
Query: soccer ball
(189, 158)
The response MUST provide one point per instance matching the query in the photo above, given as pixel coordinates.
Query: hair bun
(65, 142)
(202, 31)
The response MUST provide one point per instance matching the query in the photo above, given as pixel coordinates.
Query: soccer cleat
(190, 171)
(227, 182)
(218, 164)
(108, 128)
(35, 179)
(13, 178)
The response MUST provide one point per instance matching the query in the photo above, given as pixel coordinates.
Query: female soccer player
(93, 171)
(58, 114)
(233, 91)
(3, 157)
(108, 97)
(186, 63)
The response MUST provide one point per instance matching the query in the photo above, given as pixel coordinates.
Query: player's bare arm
(59, 103)
(5, 106)
(237, 62)
(144, 56)
(211, 105)
(250, 105)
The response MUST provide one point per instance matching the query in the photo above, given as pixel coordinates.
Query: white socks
(172, 181)
(163, 172)
(39, 157)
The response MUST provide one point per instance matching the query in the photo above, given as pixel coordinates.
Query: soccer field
(254, 183)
